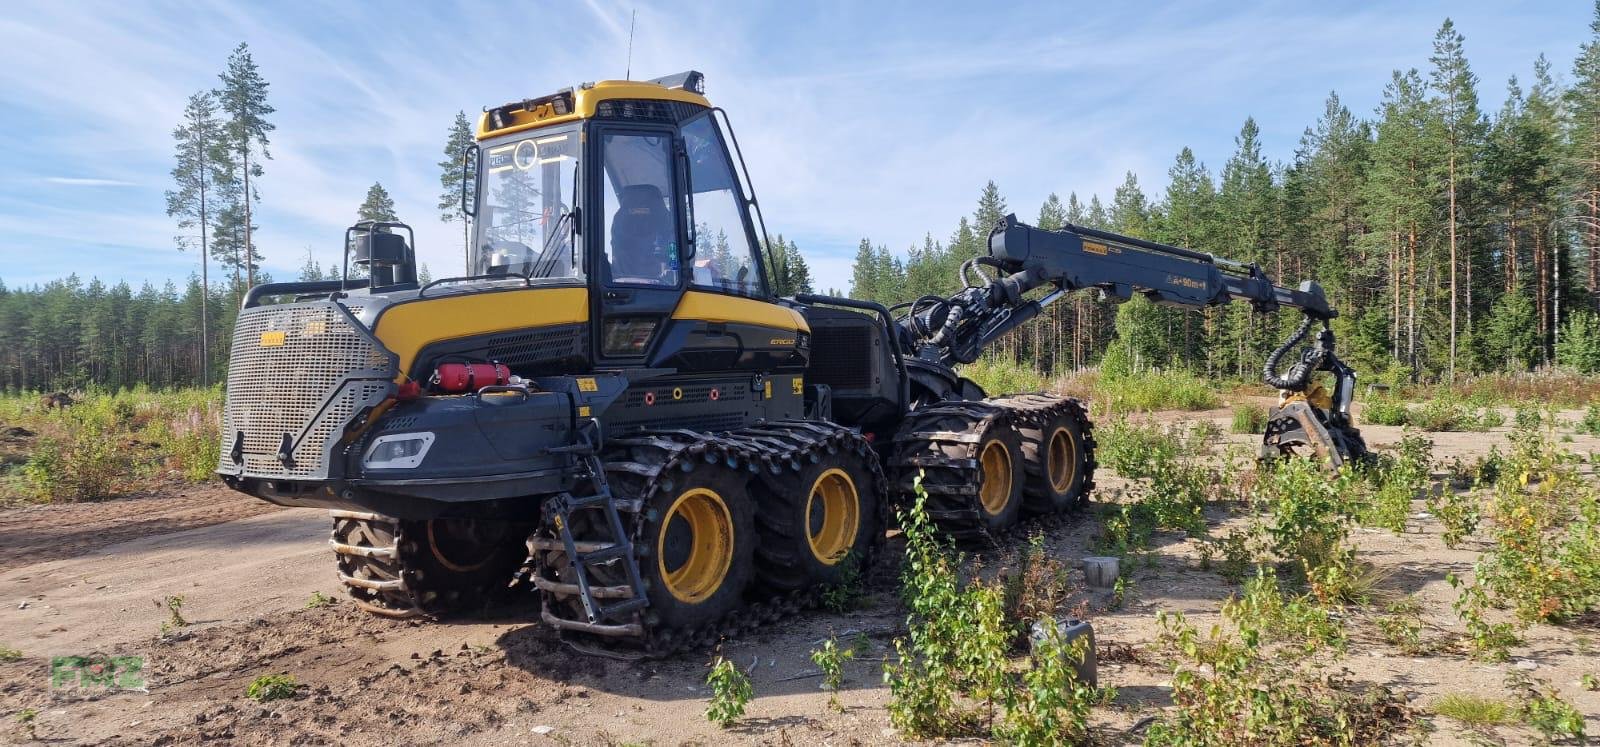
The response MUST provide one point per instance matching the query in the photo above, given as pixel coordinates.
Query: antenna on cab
(632, 17)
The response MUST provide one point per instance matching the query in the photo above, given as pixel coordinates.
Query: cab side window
(643, 244)
(723, 257)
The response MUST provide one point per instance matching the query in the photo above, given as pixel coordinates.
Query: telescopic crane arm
(957, 329)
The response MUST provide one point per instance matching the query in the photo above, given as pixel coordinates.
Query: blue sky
(857, 119)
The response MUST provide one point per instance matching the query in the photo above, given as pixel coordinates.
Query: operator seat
(641, 233)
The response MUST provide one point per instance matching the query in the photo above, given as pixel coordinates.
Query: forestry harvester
(614, 408)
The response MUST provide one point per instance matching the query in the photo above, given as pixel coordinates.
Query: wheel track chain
(940, 442)
(639, 465)
(1037, 411)
(376, 565)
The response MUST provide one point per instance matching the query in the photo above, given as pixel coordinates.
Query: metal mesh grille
(840, 357)
(275, 390)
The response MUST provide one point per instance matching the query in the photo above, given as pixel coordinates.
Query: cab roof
(571, 105)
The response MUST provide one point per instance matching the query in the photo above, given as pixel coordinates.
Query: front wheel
(697, 544)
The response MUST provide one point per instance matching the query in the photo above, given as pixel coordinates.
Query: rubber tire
(1040, 496)
(1008, 516)
(463, 590)
(732, 485)
(784, 560)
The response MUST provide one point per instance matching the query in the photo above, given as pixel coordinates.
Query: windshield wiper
(542, 265)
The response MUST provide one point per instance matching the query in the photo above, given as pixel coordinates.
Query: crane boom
(1080, 257)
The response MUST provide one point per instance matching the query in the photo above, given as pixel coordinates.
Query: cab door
(640, 253)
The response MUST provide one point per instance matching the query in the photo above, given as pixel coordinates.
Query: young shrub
(956, 639)
(1051, 706)
(1490, 641)
(194, 443)
(1037, 589)
(1264, 613)
(318, 599)
(1227, 690)
(1543, 709)
(846, 593)
(830, 659)
(1402, 627)
(175, 619)
(1384, 412)
(1249, 418)
(81, 461)
(730, 693)
(271, 687)
(1590, 424)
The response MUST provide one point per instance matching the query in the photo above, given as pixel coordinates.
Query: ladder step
(367, 583)
(604, 554)
(929, 460)
(380, 553)
(960, 437)
(598, 592)
(632, 630)
(583, 547)
(360, 516)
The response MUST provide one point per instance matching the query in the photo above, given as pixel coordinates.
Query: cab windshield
(524, 222)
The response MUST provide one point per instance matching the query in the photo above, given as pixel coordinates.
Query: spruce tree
(378, 206)
(1051, 214)
(456, 184)
(243, 97)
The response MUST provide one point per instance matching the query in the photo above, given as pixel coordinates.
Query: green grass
(998, 376)
(1155, 390)
(1249, 418)
(1475, 710)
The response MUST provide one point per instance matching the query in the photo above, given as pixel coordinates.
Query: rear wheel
(815, 525)
(969, 457)
(1059, 451)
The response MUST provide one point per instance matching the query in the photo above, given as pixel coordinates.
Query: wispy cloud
(82, 181)
(856, 119)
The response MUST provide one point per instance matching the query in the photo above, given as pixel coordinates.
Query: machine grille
(536, 347)
(303, 370)
(840, 357)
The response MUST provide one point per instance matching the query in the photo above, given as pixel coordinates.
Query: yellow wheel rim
(832, 533)
(1062, 460)
(995, 462)
(695, 547)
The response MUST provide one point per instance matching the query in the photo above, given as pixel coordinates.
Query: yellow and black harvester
(613, 406)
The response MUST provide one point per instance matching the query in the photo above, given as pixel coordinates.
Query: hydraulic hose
(1299, 375)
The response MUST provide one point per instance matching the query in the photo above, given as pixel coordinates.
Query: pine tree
(243, 97)
(457, 186)
(199, 139)
(1399, 201)
(379, 206)
(1455, 105)
(863, 278)
(1583, 159)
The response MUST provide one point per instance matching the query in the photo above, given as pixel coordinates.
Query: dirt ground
(85, 579)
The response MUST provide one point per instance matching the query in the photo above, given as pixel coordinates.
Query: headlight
(398, 451)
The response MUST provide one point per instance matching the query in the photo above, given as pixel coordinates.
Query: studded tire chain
(941, 442)
(374, 568)
(638, 466)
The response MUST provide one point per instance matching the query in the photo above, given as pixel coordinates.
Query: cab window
(642, 248)
(723, 257)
